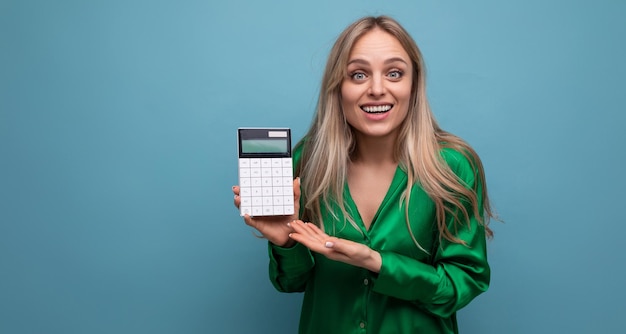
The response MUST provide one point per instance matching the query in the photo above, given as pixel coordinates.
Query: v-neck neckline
(399, 177)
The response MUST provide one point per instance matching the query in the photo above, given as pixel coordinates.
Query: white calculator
(265, 171)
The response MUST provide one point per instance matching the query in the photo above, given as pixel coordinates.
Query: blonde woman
(390, 235)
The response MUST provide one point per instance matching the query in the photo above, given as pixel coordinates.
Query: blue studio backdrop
(118, 152)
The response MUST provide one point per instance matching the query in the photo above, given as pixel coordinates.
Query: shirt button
(366, 281)
(362, 324)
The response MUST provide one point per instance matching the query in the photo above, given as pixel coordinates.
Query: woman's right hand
(274, 228)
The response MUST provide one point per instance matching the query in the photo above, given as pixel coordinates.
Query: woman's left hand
(337, 249)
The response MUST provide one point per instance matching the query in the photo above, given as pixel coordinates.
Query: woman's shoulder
(460, 160)
(454, 156)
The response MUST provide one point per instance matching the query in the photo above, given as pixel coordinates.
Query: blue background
(118, 150)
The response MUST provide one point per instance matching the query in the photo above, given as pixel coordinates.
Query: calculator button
(246, 210)
(244, 172)
(277, 162)
(255, 172)
(244, 182)
(286, 162)
(255, 162)
(246, 201)
(266, 182)
(277, 191)
(287, 191)
(244, 162)
(287, 181)
(267, 191)
(278, 200)
(277, 172)
(257, 211)
(288, 210)
(288, 200)
(266, 172)
(256, 192)
(287, 171)
(277, 182)
(279, 210)
(265, 163)
(256, 182)
(245, 191)
(267, 201)
(268, 210)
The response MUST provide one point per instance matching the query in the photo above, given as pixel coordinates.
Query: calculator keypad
(266, 186)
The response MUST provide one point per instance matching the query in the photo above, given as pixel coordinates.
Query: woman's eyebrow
(395, 59)
(387, 61)
(358, 61)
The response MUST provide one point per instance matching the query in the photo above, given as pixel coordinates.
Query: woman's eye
(395, 74)
(358, 76)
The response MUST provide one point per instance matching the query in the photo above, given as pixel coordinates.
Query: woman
(396, 208)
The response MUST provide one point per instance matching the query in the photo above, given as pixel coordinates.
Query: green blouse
(414, 292)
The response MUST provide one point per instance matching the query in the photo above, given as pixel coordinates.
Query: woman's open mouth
(377, 109)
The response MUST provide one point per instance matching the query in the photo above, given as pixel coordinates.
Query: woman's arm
(290, 268)
(458, 272)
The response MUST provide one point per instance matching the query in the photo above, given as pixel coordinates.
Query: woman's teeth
(376, 109)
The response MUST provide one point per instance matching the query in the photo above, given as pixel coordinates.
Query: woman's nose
(377, 86)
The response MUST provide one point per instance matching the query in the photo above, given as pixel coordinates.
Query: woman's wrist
(289, 244)
(375, 261)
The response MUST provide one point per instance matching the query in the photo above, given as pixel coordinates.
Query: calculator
(265, 171)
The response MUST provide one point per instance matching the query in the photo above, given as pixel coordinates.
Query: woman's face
(376, 93)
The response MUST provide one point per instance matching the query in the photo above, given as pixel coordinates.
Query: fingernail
(289, 224)
(290, 235)
(329, 244)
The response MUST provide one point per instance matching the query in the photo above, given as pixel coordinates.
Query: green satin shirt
(414, 292)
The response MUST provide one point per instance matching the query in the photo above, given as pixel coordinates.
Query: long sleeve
(289, 268)
(458, 273)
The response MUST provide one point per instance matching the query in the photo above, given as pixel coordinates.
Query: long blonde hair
(327, 146)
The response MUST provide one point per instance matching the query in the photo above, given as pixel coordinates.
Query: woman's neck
(374, 150)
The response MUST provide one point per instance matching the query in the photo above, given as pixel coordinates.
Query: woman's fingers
(249, 221)
(296, 189)
(314, 238)
(296, 195)
(303, 228)
(314, 229)
(236, 199)
(334, 248)
(309, 235)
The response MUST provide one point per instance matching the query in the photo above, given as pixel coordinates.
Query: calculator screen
(264, 142)
(264, 146)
